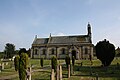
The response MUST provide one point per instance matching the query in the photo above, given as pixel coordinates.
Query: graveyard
(84, 71)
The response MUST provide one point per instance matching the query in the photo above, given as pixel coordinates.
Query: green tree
(21, 63)
(105, 52)
(67, 60)
(16, 62)
(9, 50)
(54, 63)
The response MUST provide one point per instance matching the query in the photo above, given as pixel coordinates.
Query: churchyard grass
(80, 72)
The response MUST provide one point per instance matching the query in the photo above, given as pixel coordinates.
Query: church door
(74, 53)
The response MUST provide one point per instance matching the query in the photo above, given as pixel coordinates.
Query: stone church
(79, 46)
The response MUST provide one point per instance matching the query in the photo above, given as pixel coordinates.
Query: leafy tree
(29, 52)
(9, 50)
(54, 63)
(67, 60)
(105, 52)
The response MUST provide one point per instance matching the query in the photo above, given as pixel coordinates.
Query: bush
(67, 60)
(105, 52)
(16, 62)
(41, 62)
(23, 64)
(54, 63)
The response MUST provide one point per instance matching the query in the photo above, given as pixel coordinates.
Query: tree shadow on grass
(105, 72)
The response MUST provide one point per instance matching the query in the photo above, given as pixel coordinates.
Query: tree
(16, 62)
(9, 50)
(105, 52)
(21, 63)
(54, 63)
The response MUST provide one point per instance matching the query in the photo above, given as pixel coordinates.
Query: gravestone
(60, 72)
(96, 76)
(57, 73)
(52, 74)
(68, 71)
(6, 63)
(71, 69)
(2, 66)
(30, 70)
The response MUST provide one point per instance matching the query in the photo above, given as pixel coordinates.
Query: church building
(79, 46)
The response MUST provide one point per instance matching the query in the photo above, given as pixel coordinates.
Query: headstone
(2, 66)
(28, 73)
(6, 63)
(68, 71)
(30, 70)
(60, 72)
(96, 76)
(71, 69)
(52, 74)
(57, 73)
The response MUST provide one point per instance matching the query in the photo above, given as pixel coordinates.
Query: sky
(21, 20)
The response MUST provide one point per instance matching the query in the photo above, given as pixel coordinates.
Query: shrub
(23, 64)
(105, 52)
(54, 63)
(16, 62)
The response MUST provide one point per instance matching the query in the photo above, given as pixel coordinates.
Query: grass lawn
(84, 72)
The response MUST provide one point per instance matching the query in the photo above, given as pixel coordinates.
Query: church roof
(62, 39)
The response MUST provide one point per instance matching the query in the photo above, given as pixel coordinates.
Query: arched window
(86, 51)
(52, 51)
(63, 50)
(44, 51)
(36, 51)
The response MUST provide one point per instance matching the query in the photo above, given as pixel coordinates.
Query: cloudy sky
(21, 20)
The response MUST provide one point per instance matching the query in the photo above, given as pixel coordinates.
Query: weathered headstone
(60, 72)
(57, 73)
(30, 70)
(68, 71)
(2, 66)
(52, 74)
(96, 76)
(71, 69)
(6, 63)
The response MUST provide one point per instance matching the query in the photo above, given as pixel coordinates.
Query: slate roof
(62, 39)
